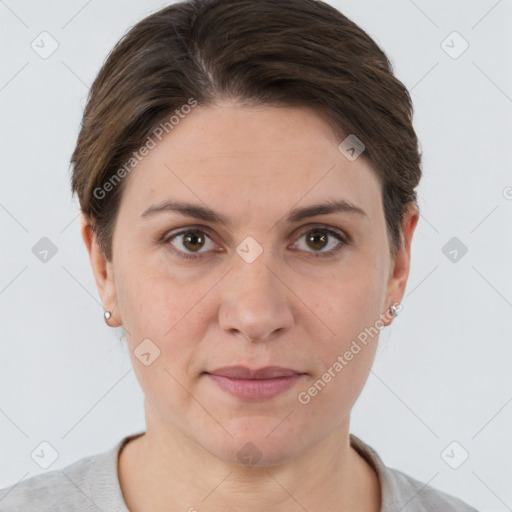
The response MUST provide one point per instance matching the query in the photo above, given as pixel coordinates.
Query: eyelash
(190, 256)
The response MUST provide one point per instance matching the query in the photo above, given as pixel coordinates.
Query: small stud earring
(107, 316)
(394, 311)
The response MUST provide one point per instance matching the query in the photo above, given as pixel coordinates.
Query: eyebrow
(206, 214)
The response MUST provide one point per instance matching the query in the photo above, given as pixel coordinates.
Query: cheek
(152, 303)
(168, 311)
(349, 309)
(349, 300)
(156, 308)
(343, 359)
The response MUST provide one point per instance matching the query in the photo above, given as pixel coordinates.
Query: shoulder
(83, 486)
(399, 490)
(421, 497)
(54, 490)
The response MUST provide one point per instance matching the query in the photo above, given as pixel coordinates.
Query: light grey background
(443, 370)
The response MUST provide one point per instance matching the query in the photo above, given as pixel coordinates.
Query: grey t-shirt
(92, 484)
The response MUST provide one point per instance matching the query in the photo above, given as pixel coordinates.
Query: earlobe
(101, 269)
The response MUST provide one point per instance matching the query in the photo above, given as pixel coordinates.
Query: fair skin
(252, 165)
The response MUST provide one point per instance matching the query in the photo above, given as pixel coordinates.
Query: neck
(163, 469)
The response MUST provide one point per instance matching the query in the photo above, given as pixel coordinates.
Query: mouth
(255, 384)
(243, 372)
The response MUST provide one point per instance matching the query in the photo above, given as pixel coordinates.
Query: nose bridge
(255, 301)
(256, 276)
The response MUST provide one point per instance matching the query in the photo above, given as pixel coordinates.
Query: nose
(255, 301)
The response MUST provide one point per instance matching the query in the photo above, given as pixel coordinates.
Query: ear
(399, 271)
(102, 270)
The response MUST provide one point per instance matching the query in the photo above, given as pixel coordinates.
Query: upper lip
(242, 372)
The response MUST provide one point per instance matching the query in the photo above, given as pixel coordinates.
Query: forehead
(264, 157)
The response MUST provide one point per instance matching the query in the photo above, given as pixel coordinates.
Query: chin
(257, 441)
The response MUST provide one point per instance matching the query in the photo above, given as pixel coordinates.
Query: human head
(271, 89)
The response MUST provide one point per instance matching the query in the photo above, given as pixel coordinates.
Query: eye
(318, 239)
(191, 240)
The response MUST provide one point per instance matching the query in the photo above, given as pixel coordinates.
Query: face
(263, 287)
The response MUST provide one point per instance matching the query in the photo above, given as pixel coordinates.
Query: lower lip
(256, 389)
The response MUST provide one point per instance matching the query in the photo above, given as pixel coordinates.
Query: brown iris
(317, 237)
(192, 237)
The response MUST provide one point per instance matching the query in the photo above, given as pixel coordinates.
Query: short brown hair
(281, 53)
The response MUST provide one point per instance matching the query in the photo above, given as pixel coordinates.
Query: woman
(246, 173)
